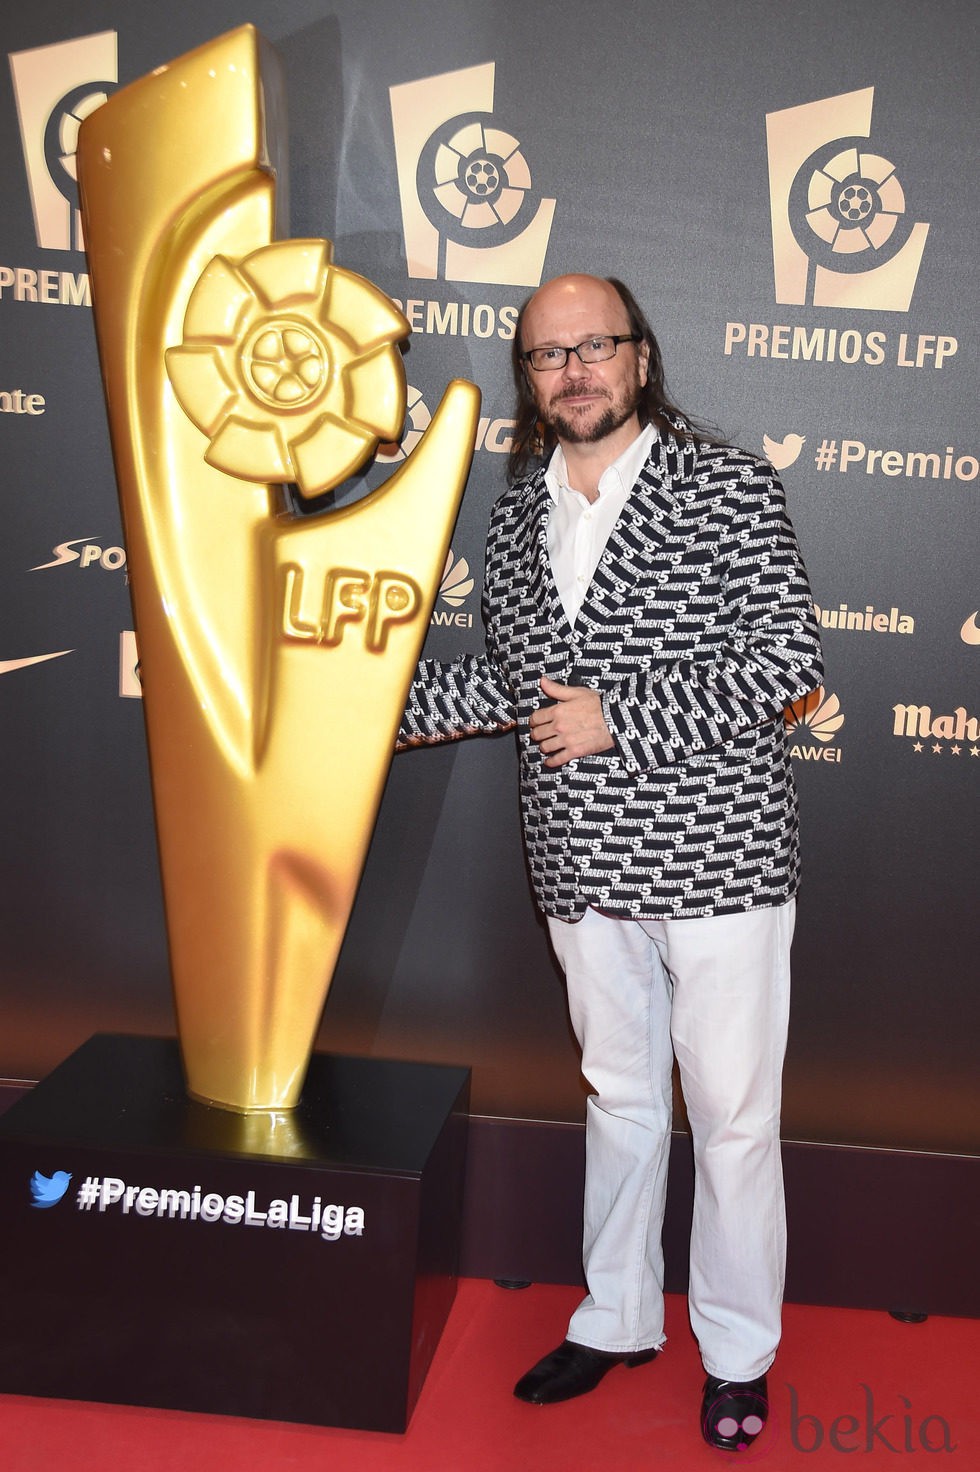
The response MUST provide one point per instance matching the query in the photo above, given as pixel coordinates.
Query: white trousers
(715, 993)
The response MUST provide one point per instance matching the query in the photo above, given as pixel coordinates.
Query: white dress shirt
(577, 530)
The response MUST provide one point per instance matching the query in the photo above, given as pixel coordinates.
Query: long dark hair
(534, 441)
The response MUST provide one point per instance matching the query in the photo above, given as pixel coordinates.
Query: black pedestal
(294, 1267)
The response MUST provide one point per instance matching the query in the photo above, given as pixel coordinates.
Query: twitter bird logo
(48, 1190)
(781, 453)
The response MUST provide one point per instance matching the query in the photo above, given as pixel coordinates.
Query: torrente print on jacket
(697, 631)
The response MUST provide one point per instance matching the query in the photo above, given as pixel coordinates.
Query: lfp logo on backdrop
(844, 234)
(841, 232)
(470, 211)
(493, 435)
(55, 88)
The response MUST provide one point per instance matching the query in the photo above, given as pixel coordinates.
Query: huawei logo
(456, 581)
(456, 586)
(970, 632)
(817, 715)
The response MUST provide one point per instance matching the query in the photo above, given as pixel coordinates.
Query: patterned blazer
(697, 630)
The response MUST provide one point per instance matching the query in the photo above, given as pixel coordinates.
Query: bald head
(568, 303)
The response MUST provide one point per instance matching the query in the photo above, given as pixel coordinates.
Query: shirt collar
(620, 475)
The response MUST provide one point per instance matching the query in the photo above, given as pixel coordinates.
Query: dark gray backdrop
(647, 127)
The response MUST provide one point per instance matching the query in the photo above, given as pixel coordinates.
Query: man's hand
(572, 726)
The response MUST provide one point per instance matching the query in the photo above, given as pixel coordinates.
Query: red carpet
(846, 1383)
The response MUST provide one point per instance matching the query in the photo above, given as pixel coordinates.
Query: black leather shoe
(573, 1369)
(733, 1412)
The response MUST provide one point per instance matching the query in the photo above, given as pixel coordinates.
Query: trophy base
(294, 1266)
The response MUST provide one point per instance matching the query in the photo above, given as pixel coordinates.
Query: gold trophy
(245, 375)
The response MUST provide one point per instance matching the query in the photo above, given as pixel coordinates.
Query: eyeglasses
(592, 350)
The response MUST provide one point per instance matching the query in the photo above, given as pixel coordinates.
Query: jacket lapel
(536, 561)
(643, 528)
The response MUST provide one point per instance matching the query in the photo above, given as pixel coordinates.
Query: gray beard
(611, 419)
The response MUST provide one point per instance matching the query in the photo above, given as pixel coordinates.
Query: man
(648, 619)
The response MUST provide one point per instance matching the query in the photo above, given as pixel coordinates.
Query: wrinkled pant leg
(619, 1002)
(729, 1021)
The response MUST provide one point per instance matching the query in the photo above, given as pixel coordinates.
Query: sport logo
(55, 88)
(109, 558)
(470, 211)
(842, 235)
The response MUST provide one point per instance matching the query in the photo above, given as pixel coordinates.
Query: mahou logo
(813, 724)
(941, 732)
(470, 209)
(55, 88)
(842, 231)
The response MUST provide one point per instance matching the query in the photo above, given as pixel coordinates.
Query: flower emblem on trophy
(288, 364)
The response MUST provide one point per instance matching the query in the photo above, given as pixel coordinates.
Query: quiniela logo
(815, 718)
(470, 210)
(868, 620)
(55, 88)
